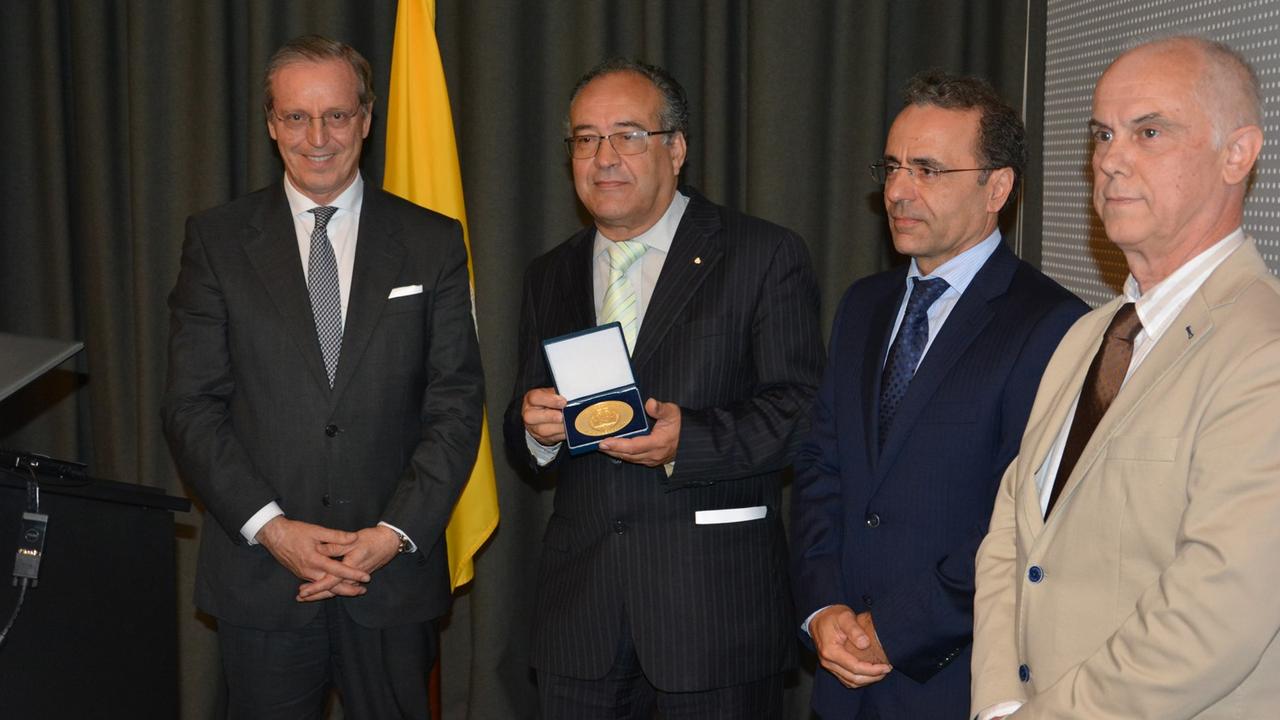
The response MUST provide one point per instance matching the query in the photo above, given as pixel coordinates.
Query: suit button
(1024, 673)
(619, 527)
(330, 429)
(615, 461)
(866, 600)
(873, 520)
(324, 500)
(1035, 574)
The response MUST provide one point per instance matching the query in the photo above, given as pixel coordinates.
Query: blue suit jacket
(895, 532)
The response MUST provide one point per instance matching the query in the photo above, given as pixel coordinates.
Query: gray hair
(317, 48)
(674, 113)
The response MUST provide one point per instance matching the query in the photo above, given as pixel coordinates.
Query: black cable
(22, 594)
(23, 581)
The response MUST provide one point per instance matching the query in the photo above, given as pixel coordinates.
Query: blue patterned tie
(908, 346)
(326, 298)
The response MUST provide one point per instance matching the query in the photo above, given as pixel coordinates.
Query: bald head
(1225, 84)
(1174, 143)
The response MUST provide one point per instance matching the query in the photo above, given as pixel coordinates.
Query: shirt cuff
(250, 529)
(1008, 707)
(543, 454)
(413, 547)
(805, 625)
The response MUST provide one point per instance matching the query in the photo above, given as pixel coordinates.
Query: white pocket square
(406, 290)
(729, 515)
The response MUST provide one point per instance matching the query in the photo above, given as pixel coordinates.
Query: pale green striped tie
(620, 299)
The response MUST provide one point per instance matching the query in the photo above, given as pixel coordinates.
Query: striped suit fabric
(731, 336)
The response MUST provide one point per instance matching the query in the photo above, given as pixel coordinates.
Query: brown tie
(1106, 375)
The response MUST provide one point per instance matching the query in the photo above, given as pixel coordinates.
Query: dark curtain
(125, 117)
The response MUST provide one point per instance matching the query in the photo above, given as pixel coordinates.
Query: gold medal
(603, 418)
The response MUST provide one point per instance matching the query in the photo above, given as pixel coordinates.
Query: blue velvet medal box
(592, 370)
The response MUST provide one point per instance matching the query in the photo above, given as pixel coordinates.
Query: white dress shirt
(343, 230)
(642, 275)
(1156, 308)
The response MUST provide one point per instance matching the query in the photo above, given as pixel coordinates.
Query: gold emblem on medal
(604, 417)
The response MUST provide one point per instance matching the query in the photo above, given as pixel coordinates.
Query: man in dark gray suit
(324, 401)
(663, 572)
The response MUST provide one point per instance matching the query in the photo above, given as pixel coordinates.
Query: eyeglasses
(630, 142)
(331, 119)
(881, 171)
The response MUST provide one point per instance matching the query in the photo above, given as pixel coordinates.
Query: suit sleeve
(761, 433)
(195, 409)
(925, 623)
(1202, 627)
(817, 503)
(452, 404)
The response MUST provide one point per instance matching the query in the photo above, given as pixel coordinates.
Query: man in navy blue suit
(931, 375)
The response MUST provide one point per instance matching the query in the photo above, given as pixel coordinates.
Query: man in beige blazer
(1146, 584)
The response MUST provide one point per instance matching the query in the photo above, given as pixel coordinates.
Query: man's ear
(1242, 148)
(999, 185)
(678, 149)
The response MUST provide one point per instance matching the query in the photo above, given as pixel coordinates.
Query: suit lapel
(970, 315)
(574, 281)
(694, 252)
(273, 251)
(1043, 432)
(879, 327)
(1220, 288)
(1172, 347)
(379, 259)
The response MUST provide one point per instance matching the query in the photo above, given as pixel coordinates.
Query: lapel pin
(697, 261)
(1189, 333)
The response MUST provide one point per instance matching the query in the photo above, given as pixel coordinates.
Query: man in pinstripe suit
(663, 575)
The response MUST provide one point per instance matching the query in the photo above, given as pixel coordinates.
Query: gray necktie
(326, 298)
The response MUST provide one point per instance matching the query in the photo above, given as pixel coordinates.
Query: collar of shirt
(343, 228)
(657, 237)
(1160, 304)
(959, 271)
(349, 200)
(644, 274)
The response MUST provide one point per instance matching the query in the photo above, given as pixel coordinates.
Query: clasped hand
(332, 562)
(848, 646)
